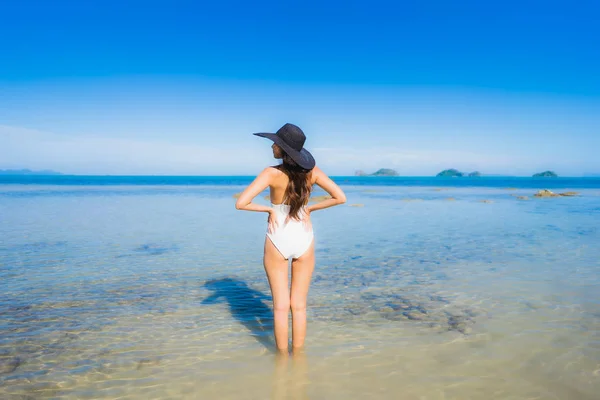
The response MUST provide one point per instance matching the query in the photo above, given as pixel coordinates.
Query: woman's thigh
(276, 268)
(302, 270)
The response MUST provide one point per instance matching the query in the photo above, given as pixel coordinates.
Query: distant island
(453, 173)
(456, 173)
(379, 172)
(27, 172)
(545, 174)
(450, 172)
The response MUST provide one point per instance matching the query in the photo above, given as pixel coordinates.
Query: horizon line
(591, 175)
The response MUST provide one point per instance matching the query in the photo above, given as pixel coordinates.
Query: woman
(289, 233)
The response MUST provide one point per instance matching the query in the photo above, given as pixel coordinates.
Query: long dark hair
(299, 187)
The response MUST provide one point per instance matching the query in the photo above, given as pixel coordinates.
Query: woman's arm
(260, 183)
(337, 195)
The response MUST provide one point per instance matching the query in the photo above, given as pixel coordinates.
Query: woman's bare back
(278, 185)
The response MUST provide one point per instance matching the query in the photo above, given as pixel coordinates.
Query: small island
(27, 172)
(450, 172)
(379, 172)
(454, 173)
(545, 174)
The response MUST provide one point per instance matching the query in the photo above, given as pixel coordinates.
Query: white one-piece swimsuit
(293, 238)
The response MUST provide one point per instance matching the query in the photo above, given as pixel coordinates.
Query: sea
(116, 287)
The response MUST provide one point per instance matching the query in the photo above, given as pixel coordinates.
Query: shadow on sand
(246, 306)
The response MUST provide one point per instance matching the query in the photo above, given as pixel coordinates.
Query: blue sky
(178, 87)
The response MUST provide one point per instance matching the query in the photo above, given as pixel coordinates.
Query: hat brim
(303, 157)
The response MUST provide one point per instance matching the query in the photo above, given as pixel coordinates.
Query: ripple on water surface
(161, 294)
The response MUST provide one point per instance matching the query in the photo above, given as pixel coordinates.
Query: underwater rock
(71, 336)
(237, 195)
(450, 199)
(9, 364)
(485, 201)
(459, 323)
(384, 289)
(438, 298)
(319, 198)
(532, 305)
(39, 245)
(153, 249)
(569, 194)
(146, 362)
(436, 311)
(357, 205)
(522, 197)
(360, 310)
(394, 316)
(415, 316)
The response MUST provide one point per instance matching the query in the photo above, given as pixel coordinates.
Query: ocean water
(153, 288)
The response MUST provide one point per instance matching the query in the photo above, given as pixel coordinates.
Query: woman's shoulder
(317, 170)
(272, 173)
(273, 170)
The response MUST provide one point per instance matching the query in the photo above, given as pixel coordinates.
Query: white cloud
(95, 154)
(26, 148)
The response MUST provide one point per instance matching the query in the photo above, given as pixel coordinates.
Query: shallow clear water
(158, 291)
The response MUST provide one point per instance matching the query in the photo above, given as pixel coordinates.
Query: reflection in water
(299, 375)
(290, 378)
(279, 390)
(246, 305)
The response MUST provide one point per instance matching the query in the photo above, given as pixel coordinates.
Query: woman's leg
(302, 269)
(276, 268)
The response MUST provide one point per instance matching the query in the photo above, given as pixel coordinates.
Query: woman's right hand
(272, 221)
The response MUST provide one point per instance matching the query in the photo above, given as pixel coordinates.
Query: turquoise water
(496, 181)
(123, 287)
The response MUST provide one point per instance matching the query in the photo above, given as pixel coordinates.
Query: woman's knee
(282, 306)
(298, 305)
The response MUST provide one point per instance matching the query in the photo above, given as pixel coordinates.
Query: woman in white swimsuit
(289, 233)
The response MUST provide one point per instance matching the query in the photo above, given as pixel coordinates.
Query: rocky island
(380, 172)
(452, 172)
(545, 174)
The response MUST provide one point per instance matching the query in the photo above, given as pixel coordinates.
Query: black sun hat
(291, 140)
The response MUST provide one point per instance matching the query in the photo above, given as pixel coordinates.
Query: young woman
(289, 233)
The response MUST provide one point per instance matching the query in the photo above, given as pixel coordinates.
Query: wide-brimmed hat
(291, 140)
